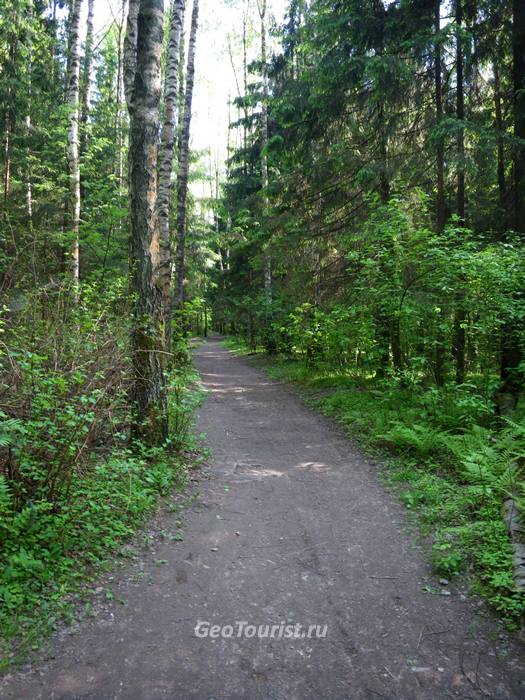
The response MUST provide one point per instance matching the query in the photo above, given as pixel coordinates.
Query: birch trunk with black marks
(261, 4)
(439, 352)
(499, 124)
(9, 120)
(73, 92)
(143, 83)
(27, 120)
(7, 157)
(245, 17)
(86, 78)
(166, 151)
(119, 116)
(183, 173)
(130, 50)
(438, 99)
(460, 315)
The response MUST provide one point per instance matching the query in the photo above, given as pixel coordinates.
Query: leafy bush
(185, 396)
(63, 380)
(48, 552)
(72, 487)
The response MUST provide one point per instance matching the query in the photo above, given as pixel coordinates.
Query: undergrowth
(72, 486)
(446, 457)
(52, 553)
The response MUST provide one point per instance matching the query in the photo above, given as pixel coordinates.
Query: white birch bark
(86, 78)
(261, 5)
(73, 89)
(166, 151)
(130, 50)
(182, 183)
(27, 119)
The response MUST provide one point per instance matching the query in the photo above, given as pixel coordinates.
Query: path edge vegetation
(94, 425)
(54, 555)
(454, 501)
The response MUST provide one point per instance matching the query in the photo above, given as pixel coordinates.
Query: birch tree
(73, 90)
(439, 358)
(167, 146)
(119, 117)
(143, 84)
(261, 6)
(9, 70)
(27, 120)
(86, 77)
(182, 183)
(130, 50)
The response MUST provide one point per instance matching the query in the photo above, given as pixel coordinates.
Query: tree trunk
(439, 349)
(149, 389)
(182, 183)
(265, 137)
(460, 113)
(27, 120)
(119, 135)
(7, 157)
(384, 319)
(397, 353)
(9, 122)
(502, 185)
(245, 16)
(518, 78)
(167, 144)
(73, 90)
(382, 341)
(440, 147)
(130, 50)
(511, 351)
(86, 78)
(460, 314)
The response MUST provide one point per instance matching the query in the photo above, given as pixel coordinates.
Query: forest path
(292, 524)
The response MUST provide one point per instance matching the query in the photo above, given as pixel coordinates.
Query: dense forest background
(394, 207)
(366, 230)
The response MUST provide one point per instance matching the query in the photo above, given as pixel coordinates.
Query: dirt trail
(291, 525)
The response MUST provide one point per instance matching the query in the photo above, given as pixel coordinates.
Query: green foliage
(185, 396)
(373, 269)
(423, 440)
(396, 317)
(49, 552)
(34, 115)
(72, 487)
(9, 427)
(65, 369)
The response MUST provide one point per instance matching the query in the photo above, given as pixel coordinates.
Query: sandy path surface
(291, 526)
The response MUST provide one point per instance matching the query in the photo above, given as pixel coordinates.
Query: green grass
(445, 459)
(239, 347)
(51, 555)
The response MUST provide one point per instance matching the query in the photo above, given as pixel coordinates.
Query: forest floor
(291, 523)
